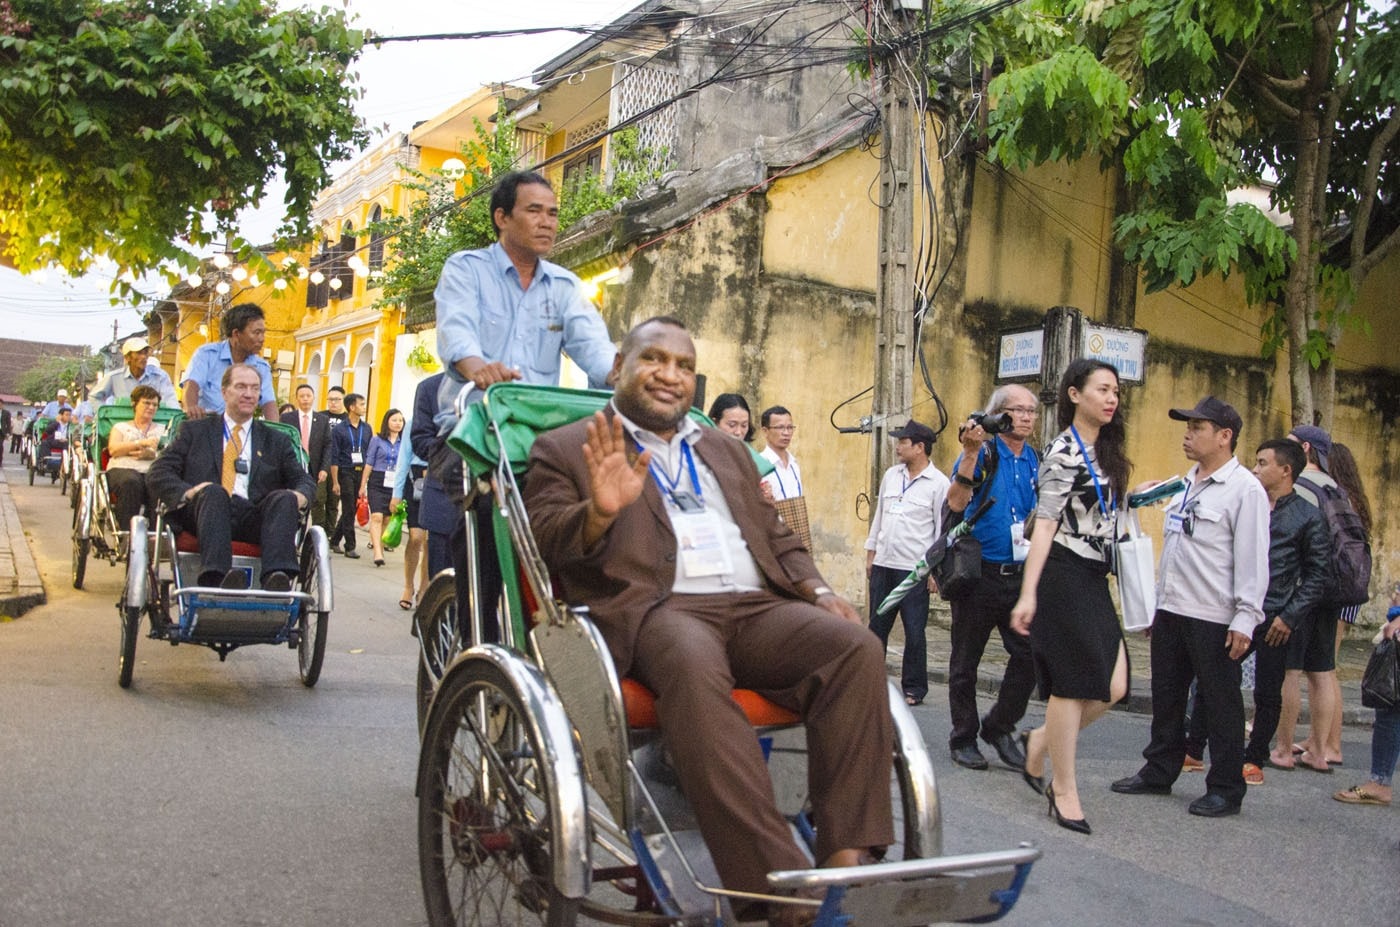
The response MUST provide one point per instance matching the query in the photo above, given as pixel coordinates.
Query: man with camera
(996, 464)
(903, 527)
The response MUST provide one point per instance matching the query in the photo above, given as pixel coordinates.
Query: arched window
(343, 273)
(376, 246)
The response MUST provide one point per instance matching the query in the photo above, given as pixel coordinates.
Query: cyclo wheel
(81, 546)
(311, 643)
(439, 639)
(483, 822)
(131, 627)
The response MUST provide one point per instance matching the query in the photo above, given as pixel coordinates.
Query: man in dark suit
(315, 430)
(226, 478)
(736, 601)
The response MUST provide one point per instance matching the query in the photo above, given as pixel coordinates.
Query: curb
(21, 587)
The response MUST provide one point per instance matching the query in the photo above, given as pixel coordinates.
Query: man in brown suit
(737, 602)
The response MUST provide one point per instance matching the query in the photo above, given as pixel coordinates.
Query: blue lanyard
(393, 454)
(1098, 490)
(356, 437)
(668, 485)
(777, 475)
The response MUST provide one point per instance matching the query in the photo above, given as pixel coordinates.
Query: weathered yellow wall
(821, 226)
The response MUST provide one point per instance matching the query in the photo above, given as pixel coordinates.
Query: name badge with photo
(357, 458)
(700, 539)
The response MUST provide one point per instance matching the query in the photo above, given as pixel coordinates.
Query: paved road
(227, 794)
(208, 793)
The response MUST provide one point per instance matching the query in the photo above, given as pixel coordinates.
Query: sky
(404, 82)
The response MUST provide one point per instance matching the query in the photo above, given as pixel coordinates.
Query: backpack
(1351, 550)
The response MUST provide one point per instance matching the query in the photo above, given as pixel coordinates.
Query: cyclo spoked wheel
(439, 640)
(81, 546)
(483, 824)
(311, 645)
(131, 627)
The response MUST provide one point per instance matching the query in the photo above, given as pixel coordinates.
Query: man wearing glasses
(1004, 468)
(785, 482)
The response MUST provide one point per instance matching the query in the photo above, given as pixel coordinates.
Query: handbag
(955, 559)
(393, 527)
(793, 512)
(1137, 575)
(1380, 684)
(362, 512)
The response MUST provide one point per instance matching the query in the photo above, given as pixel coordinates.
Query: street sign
(1020, 355)
(1124, 348)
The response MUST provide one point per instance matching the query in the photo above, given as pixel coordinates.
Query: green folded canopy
(516, 412)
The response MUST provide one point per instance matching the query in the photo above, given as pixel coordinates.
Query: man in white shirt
(904, 526)
(1211, 583)
(785, 482)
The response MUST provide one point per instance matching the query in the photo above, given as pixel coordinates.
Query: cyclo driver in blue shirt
(505, 313)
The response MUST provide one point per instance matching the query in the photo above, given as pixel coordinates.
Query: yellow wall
(820, 224)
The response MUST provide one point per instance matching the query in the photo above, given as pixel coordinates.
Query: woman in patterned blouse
(1076, 639)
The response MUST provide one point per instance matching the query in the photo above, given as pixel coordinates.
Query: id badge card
(894, 507)
(1019, 545)
(701, 542)
(357, 458)
(391, 477)
(1175, 523)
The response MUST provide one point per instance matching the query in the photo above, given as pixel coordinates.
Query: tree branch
(1287, 110)
(1370, 180)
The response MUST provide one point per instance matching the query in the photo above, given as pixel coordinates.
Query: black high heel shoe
(1080, 826)
(1037, 783)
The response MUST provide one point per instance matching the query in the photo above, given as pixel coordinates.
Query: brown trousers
(694, 649)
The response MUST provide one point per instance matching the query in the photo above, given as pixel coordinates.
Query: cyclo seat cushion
(640, 705)
(187, 543)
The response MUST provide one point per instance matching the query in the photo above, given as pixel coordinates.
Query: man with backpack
(1313, 654)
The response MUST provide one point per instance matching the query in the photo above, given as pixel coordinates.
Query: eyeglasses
(782, 428)
(1020, 410)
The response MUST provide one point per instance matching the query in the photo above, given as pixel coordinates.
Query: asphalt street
(228, 795)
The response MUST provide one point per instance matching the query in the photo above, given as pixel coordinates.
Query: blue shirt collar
(507, 267)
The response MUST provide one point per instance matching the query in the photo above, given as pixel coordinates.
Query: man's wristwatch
(820, 591)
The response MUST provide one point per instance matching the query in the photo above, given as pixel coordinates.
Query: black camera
(993, 424)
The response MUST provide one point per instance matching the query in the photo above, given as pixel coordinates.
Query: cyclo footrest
(970, 887)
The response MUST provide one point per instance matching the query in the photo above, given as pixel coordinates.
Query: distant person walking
(381, 472)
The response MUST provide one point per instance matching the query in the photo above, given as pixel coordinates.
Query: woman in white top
(130, 449)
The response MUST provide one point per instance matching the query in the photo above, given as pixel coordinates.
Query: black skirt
(380, 494)
(1075, 635)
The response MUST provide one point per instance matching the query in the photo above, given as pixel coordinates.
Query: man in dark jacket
(1298, 570)
(228, 478)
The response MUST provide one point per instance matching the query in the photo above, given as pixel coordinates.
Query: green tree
(438, 226)
(1189, 101)
(125, 125)
(54, 372)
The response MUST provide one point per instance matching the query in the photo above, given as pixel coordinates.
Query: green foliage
(125, 125)
(1192, 100)
(437, 226)
(40, 382)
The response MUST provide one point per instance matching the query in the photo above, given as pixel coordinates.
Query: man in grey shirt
(1211, 583)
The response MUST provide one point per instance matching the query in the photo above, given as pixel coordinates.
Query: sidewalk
(20, 586)
(1356, 650)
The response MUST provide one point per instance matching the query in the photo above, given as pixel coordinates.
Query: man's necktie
(233, 449)
(306, 432)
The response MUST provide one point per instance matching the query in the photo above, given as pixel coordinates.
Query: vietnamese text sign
(1124, 348)
(1020, 355)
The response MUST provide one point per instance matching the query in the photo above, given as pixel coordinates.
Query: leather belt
(1002, 569)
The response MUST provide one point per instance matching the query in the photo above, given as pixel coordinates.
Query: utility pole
(894, 292)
